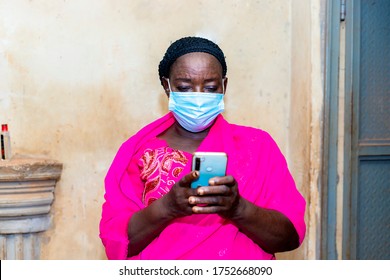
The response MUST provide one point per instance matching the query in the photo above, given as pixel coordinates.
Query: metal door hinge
(342, 10)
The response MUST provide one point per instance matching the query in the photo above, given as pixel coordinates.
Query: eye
(183, 88)
(211, 89)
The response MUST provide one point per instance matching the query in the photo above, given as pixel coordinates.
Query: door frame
(352, 84)
(329, 177)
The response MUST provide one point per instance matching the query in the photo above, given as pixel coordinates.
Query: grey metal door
(366, 226)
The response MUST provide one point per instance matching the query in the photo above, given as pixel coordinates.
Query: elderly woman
(150, 210)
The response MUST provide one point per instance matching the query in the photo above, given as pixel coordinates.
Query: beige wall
(77, 78)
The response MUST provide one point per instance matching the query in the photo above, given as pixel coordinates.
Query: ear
(225, 82)
(164, 83)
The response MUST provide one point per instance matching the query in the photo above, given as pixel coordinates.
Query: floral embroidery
(160, 169)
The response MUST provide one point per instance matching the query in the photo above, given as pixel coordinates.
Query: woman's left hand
(220, 197)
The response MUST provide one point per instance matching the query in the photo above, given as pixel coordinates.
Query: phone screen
(209, 165)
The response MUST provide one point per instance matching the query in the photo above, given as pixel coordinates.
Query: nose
(198, 88)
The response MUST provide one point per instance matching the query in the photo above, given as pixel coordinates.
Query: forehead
(197, 63)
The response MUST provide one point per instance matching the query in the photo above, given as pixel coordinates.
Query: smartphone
(209, 165)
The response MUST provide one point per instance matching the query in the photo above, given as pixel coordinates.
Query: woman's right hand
(176, 200)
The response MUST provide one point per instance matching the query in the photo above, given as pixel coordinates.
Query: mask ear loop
(169, 84)
(223, 85)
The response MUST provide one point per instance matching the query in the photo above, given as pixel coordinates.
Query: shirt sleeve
(122, 200)
(279, 191)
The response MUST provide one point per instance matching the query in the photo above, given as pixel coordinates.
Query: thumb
(186, 181)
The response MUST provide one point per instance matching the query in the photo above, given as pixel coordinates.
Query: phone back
(209, 165)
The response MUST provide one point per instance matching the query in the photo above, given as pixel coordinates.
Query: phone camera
(197, 164)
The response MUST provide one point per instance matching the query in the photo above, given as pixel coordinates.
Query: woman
(150, 210)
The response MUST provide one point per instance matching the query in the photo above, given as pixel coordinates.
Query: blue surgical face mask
(195, 111)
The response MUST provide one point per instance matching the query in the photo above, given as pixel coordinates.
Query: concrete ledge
(27, 186)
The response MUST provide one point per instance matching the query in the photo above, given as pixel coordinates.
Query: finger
(187, 179)
(224, 180)
(208, 209)
(207, 200)
(214, 190)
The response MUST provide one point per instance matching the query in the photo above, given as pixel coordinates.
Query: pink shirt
(140, 174)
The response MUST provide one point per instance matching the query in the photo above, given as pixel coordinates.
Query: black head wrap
(189, 45)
